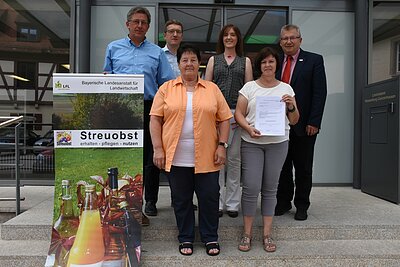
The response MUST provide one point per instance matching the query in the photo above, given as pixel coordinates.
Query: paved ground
(330, 206)
(34, 195)
(345, 228)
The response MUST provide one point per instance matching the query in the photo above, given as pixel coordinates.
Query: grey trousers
(261, 167)
(230, 197)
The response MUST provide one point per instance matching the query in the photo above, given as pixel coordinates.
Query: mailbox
(380, 174)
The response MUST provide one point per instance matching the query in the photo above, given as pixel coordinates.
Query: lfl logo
(59, 85)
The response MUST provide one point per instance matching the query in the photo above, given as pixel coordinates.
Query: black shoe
(232, 213)
(301, 215)
(220, 213)
(282, 210)
(150, 209)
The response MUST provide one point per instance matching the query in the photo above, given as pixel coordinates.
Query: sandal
(186, 245)
(210, 246)
(245, 243)
(268, 243)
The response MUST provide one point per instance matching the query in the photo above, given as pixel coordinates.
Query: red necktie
(286, 71)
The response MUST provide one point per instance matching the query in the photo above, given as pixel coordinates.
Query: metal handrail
(10, 121)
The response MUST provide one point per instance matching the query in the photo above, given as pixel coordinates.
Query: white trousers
(230, 195)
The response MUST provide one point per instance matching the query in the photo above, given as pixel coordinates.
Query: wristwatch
(292, 109)
(225, 145)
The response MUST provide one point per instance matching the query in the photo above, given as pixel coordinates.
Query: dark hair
(138, 9)
(170, 22)
(188, 48)
(265, 52)
(239, 44)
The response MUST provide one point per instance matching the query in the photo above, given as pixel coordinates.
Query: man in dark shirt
(305, 72)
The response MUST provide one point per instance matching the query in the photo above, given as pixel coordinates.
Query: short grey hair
(139, 9)
(289, 27)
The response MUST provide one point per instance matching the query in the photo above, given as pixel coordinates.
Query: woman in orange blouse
(183, 128)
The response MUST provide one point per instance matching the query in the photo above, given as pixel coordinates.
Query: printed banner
(97, 83)
(98, 140)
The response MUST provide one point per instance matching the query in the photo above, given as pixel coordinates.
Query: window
(26, 73)
(259, 26)
(27, 34)
(384, 49)
(397, 62)
(395, 57)
(34, 37)
(33, 121)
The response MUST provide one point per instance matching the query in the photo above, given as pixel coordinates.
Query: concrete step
(16, 253)
(345, 228)
(289, 253)
(34, 195)
(170, 233)
(352, 216)
(309, 232)
(33, 224)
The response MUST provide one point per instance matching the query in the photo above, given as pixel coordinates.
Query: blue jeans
(183, 183)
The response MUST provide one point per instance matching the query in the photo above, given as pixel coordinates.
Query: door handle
(391, 107)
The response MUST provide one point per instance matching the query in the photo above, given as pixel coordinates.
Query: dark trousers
(151, 172)
(183, 183)
(300, 156)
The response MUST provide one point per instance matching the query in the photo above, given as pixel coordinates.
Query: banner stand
(98, 133)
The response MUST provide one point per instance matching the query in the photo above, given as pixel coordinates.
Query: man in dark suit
(305, 72)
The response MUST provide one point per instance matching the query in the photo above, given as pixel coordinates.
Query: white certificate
(270, 115)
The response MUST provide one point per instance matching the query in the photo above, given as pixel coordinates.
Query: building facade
(359, 40)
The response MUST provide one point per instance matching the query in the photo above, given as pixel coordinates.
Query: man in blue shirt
(135, 55)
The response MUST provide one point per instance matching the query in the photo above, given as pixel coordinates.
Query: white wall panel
(331, 34)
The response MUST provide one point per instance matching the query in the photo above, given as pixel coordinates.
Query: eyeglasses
(186, 61)
(174, 31)
(138, 21)
(290, 38)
